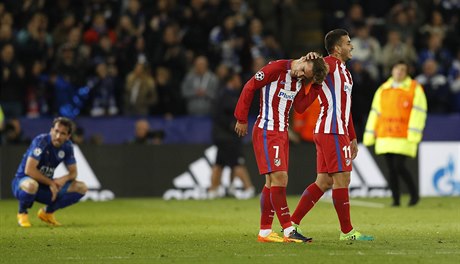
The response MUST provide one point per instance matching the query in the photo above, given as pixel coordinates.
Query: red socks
(278, 198)
(266, 209)
(309, 198)
(342, 207)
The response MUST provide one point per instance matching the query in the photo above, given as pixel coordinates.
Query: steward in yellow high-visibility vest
(396, 122)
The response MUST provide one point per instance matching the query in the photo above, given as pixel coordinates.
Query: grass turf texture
(225, 231)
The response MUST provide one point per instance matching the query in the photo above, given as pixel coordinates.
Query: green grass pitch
(224, 231)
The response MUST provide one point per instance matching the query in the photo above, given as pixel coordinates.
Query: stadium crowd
(171, 57)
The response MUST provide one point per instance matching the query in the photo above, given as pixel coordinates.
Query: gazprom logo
(288, 95)
(444, 181)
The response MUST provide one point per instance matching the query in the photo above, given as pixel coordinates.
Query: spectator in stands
(104, 51)
(197, 26)
(34, 42)
(435, 25)
(366, 50)
(436, 87)
(140, 91)
(136, 15)
(70, 66)
(226, 44)
(354, 17)
(98, 28)
(171, 53)
(405, 18)
(199, 88)
(454, 82)
(6, 35)
(434, 50)
(102, 99)
(63, 28)
(394, 50)
(13, 134)
(130, 45)
(144, 135)
(37, 93)
(12, 92)
(78, 137)
(170, 101)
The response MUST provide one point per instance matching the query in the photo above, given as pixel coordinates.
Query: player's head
(314, 69)
(61, 131)
(338, 44)
(320, 70)
(400, 70)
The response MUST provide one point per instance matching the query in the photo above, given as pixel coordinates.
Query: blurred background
(146, 72)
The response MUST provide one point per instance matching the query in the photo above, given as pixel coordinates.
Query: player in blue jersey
(34, 178)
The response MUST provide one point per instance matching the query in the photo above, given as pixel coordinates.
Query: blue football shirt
(48, 156)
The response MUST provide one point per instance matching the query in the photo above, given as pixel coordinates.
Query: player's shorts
(271, 149)
(333, 153)
(43, 194)
(229, 154)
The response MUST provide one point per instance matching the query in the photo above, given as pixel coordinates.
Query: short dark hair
(65, 122)
(332, 38)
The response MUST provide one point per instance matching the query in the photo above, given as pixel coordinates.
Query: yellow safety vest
(397, 118)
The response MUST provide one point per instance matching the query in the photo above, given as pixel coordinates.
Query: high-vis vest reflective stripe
(396, 107)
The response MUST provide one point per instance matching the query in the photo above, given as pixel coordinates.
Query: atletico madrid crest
(277, 162)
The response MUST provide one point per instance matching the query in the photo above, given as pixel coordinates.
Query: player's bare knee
(324, 183)
(82, 188)
(78, 187)
(29, 186)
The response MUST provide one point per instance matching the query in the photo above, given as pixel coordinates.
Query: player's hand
(60, 182)
(241, 129)
(354, 148)
(313, 55)
(54, 191)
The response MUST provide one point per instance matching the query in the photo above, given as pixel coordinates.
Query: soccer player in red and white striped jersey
(280, 83)
(334, 136)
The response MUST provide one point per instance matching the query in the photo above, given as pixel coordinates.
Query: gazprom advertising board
(439, 168)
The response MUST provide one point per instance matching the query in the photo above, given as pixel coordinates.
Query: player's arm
(263, 77)
(72, 175)
(302, 101)
(32, 171)
(71, 165)
(352, 136)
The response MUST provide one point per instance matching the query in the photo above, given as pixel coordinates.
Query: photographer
(143, 134)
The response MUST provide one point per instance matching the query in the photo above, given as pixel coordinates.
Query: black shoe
(414, 200)
(295, 237)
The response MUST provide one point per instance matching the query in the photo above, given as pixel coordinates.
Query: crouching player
(34, 177)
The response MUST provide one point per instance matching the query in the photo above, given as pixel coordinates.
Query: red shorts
(333, 153)
(271, 149)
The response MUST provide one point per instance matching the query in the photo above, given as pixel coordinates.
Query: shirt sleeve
(351, 128)
(37, 148)
(69, 154)
(266, 75)
(304, 99)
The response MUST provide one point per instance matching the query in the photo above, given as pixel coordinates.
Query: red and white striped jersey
(335, 101)
(278, 91)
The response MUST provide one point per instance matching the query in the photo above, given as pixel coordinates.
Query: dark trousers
(397, 168)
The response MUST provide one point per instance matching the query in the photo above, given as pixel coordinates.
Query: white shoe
(246, 194)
